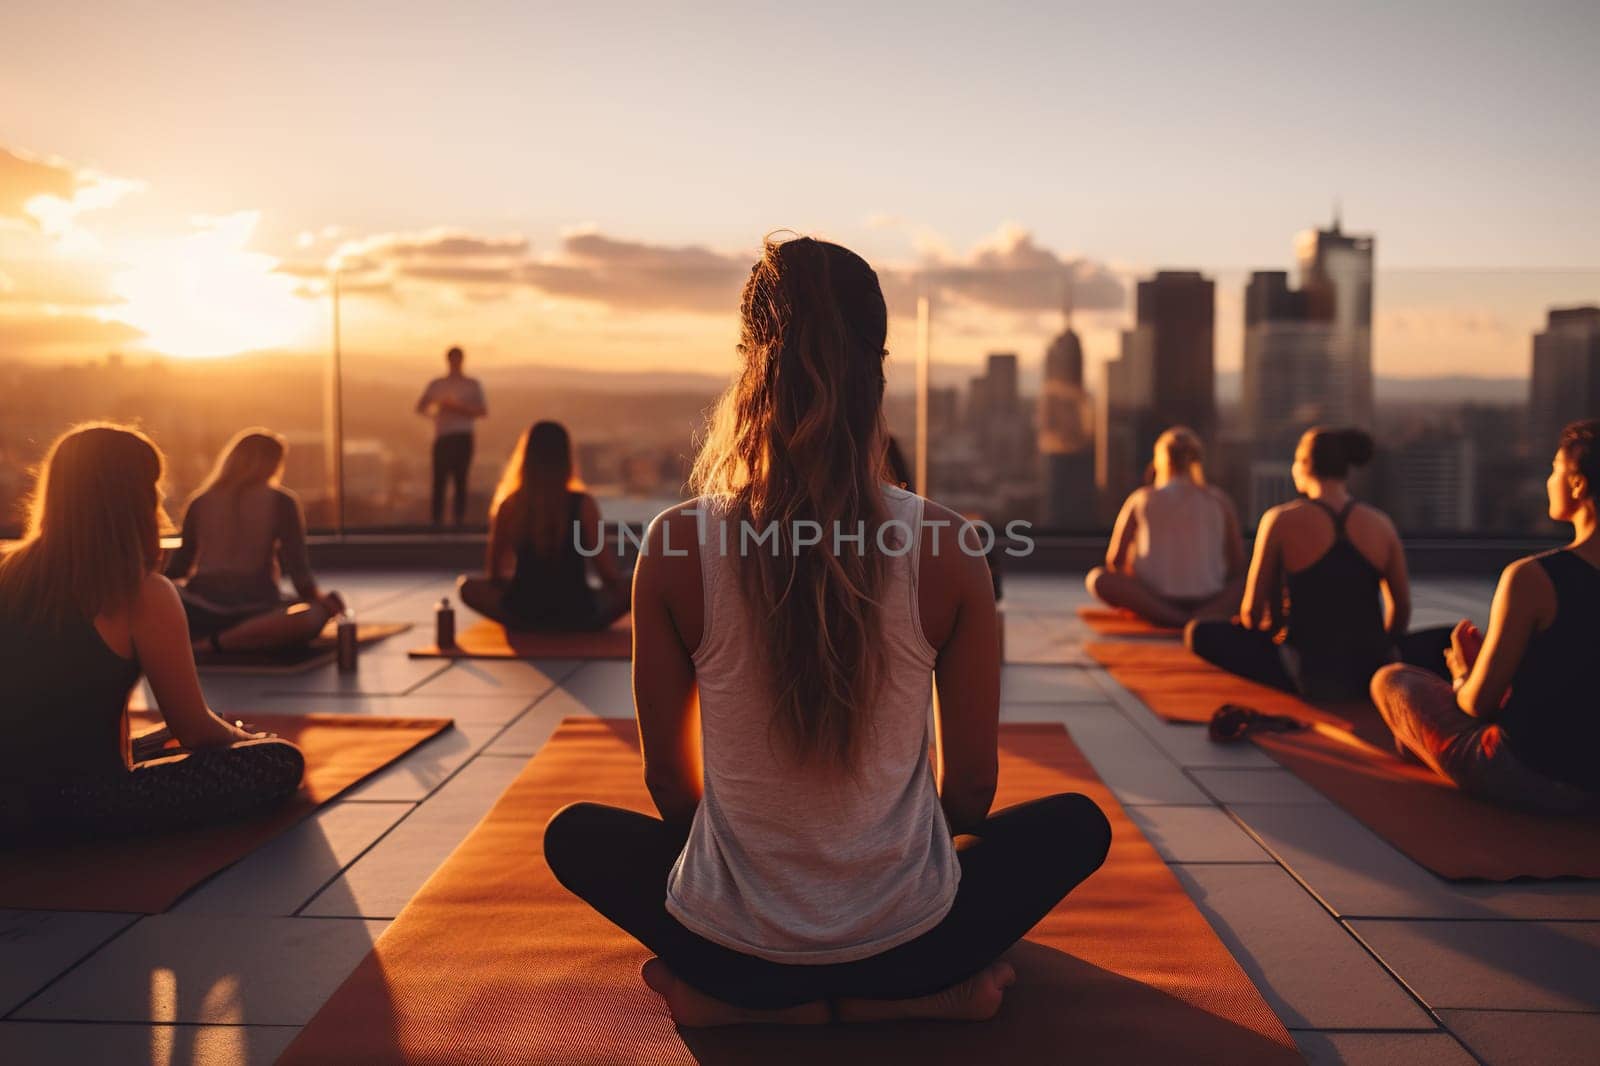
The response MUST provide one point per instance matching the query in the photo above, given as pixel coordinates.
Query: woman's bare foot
(977, 999)
(694, 1009)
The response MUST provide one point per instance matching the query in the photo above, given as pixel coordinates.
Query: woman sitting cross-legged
(805, 863)
(242, 530)
(1519, 726)
(84, 611)
(1175, 553)
(1328, 599)
(536, 575)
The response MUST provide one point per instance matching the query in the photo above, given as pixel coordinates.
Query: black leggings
(452, 462)
(1014, 870)
(1253, 654)
(184, 790)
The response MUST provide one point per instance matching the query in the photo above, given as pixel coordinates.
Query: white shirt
(1180, 547)
(461, 389)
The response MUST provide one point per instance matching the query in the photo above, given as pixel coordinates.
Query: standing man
(455, 401)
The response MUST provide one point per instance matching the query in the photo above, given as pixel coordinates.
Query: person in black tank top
(1520, 724)
(550, 533)
(83, 613)
(1319, 630)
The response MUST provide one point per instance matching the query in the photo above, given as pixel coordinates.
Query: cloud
(1012, 272)
(62, 330)
(49, 193)
(56, 283)
(632, 274)
(438, 244)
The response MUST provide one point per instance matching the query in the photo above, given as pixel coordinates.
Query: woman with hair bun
(1327, 600)
(1518, 725)
(1175, 553)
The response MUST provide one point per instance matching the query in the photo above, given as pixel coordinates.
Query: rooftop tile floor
(1366, 957)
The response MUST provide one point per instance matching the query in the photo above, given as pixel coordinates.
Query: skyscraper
(1308, 351)
(1178, 309)
(1565, 383)
(995, 414)
(1125, 419)
(1066, 435)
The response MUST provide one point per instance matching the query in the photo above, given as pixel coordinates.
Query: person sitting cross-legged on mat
(1175, 552)
(84, 610)
(241, 530)
(804, 865)
(1327, 600)
(1519, 725)
(544, 534)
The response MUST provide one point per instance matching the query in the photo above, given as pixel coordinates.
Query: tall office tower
(1336, 277)
(1125, 420)
(996, 415)
(1565, 383)
(1178, 308)
(1066, 435)
(1431, 481)
(1308, 351)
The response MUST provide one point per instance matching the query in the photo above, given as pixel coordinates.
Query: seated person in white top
(804, 865)
(1175, 553)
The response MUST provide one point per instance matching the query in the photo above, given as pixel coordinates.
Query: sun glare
(204, 294)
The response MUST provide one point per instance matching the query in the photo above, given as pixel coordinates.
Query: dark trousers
(169, 791)
(452, 461)
(1014, 870)
(1253, 654)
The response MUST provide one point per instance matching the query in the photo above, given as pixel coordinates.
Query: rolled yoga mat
(148, 874)
(494, 961)
(491, 640)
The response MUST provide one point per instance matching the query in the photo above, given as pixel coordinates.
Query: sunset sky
(587, 185)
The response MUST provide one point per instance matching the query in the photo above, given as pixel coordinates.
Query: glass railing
(1027, 413)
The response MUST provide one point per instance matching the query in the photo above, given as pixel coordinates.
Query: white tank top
(1179, 549)
(789, 864)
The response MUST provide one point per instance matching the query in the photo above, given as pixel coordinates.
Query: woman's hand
(1466, 641)
(333, 603)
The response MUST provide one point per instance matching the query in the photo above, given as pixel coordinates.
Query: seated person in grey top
(240, 532)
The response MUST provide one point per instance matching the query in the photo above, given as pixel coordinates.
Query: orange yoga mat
(146, 875)
(1429, 819)
(1109, 622)
(493, 961)
(491, 640)
(319, 652)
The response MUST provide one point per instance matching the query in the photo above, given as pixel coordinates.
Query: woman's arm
(605, 563)
(665, 696)
(1396, 585)
(1513, 618)
(292, 555)
(1262, 606)
(1232, 538)
(963, 625)
(161, 644)
(1122, 535)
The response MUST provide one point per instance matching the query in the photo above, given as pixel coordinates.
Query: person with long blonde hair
(1176, 553)
(791, 626)
(84, 612)
(241, 532)
(535, 575)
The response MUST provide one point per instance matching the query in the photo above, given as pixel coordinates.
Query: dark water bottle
(444, 625)
(345, 643)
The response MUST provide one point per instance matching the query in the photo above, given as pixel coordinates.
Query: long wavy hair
(798, 437)
(540, 473)
(253, 456)
(94, 526)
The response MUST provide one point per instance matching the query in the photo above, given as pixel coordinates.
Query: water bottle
(345, 642)
(444, 625)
